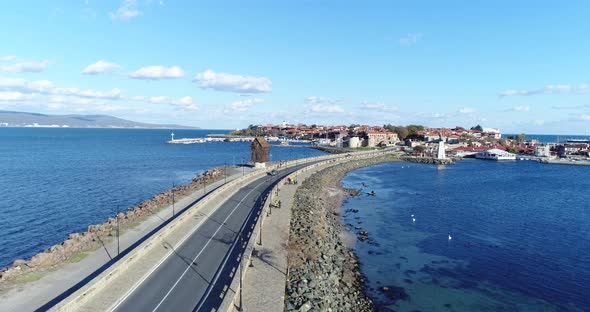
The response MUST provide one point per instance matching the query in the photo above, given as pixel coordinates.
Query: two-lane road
(198, 273)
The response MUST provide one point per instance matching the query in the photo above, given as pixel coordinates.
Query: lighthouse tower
(172, 135)
(441, 148)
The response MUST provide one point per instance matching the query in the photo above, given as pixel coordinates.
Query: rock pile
(428, 160)
(97, 234)
(323, 272)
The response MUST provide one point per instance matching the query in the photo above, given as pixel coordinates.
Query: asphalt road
(197, 274)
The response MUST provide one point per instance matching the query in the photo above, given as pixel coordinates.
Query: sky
(520, 66)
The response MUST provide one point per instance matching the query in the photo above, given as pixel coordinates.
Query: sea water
(484, 235)
(57, 181)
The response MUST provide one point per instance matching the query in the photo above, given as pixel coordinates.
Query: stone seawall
(332, 150)
(323, 270)
(428, 160)
(99, 234)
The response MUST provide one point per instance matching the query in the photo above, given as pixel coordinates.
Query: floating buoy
(450, 237)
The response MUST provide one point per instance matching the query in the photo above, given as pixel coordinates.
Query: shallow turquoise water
(520, 236)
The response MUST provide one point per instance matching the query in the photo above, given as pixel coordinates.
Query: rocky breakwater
(99, 234)
(428, 160)
(323, 271)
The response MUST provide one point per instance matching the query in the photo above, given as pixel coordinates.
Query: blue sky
(519, 66)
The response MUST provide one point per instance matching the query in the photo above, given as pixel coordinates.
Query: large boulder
(43, 259)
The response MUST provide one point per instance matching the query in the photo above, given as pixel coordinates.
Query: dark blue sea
(57, 181)
(550, 138)
(520, 235)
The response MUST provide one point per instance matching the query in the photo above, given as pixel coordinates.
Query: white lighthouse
(172, 135)
(441, 148)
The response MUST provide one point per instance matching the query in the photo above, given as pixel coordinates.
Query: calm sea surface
(520, 235)
(549, 138)
(57, 181)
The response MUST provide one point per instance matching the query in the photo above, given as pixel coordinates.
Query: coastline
(323, 270)
(78, 245)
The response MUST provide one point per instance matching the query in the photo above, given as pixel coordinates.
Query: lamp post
(173, 200)
(243, 166)
(241, 271)
(117, 216)
(225, 172)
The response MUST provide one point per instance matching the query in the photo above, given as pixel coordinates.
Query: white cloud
(100, 67)
(11, 96)
(126, 11)
(521, 108)
(467, 110)
(187, 103)
(113, 94)
(48, 88)
(184, 103)
(585, 117)
(25, 67)
(581, 88)
(319, 99)
(319, 108)
(539, 122)
(241, 106)
(377, 106)
(159, 99)
(157, 72)
(232, 83)
(7, 58)
(410, 39)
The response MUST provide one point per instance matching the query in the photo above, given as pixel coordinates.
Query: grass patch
(33, 276)
(79, 257)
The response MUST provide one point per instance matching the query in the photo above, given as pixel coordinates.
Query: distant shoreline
(136, 128)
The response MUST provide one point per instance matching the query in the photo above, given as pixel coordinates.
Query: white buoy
(412, 215)
(413, 219)
(450, 237)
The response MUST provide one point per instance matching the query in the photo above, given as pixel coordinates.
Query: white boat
(495, 154)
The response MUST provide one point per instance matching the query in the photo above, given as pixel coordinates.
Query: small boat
(372, 193)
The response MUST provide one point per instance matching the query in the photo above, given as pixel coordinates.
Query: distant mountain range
(22, 119)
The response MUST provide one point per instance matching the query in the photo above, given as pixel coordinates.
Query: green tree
(520, 138)
(413, 131)
(419, 148)
(402, 132)
(478, 128)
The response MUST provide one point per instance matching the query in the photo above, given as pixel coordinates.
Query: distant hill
(22, 119)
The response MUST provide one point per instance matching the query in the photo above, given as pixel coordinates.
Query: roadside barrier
(82, 295)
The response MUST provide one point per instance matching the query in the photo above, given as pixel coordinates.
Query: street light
(117, 216)
(241, 271)
(173, 187)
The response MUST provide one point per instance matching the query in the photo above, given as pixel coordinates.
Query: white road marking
(190, 233)
(207, 244)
